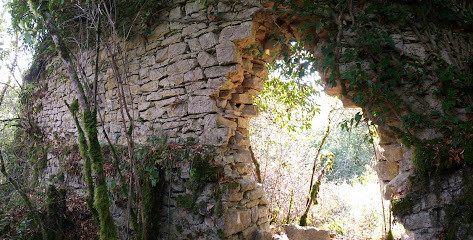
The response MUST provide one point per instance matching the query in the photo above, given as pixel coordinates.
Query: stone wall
(190, 79)
(194, 76)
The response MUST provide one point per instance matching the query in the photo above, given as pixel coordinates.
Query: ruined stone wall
(194, 76)
(189, 79)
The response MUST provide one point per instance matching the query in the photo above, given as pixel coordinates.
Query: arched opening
(274, 37)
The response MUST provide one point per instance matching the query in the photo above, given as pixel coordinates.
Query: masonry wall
(189, 79)
(194, 77)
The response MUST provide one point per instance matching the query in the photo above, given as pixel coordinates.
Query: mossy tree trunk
(56, 206)
(108, 229)
(84, 152)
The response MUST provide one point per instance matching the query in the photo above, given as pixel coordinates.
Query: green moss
(220, 234)
(303, 220)
(186, 201)
(202, 172)
(56, 209)
(422, 158)
(218, 197)
(152, 197)
(403, 206)
(108, 229)
(84, 152)
(179, 228)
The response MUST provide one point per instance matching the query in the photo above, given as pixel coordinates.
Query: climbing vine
(409, 75)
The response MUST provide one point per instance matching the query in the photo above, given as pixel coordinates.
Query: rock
(149, 87)
(263, 235)
(244, 30)
(227, 53)
(175, 13)
(387, 170)
(181, 66)
(247, 184)
(193, 7)
(255, 193)
(172, 39)
(194, 75)
(215, 137)
(161, 54)
(201, 104)
(218, 71)
(208, 40)
(244, 98)
(395, 185)
(156, 74)
(305, 233)
(194, 45)
(176, 49)
(206, 60)
(236, 221)
(389, 152)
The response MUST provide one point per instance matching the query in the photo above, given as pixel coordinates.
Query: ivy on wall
(406, 63)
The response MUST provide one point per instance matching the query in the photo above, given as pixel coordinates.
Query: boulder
(305, 233)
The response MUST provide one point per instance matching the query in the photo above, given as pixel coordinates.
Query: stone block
(250, 111)
(263, 235)
(152, 114)
(177, 110)
(194, 75)
(390, 152)
(194, 45)
(175, 13)
(254, 83)
(219, 71)
(236, 221)
(306, 233)
(243, 156)
(206, 60)
(242, 98)
(172, 92)
(243, 123)
(247, 184)
(181, 66)
(154, 96)
(176, 49)
(149, 87)
(208, 40)
(192, 28)
(419, 220)
(161, 54)
(176, 38)
(143, 105)
(224, 122)
(192, 7)
(250, 232)
(156, 74)
(227, 53)
(201, 104)
(193, 86)
(255, 193)
(221, 83)
(160, 31)
(172, 80)
(387, 170)
(238, 32)
(215, 137)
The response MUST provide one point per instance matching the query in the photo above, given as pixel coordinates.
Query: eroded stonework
(194, 76)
